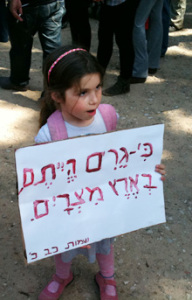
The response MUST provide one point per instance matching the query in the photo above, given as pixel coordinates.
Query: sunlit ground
(12, 115)
(16, 123)
(182, 119)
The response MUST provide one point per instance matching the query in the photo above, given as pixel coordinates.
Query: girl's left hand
(86, 247)
(161, 170)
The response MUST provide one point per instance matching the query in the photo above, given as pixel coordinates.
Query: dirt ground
(151, 264)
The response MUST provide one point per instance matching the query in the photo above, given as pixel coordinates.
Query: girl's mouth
(92, 112)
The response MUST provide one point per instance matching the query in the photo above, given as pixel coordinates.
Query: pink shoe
(47, 295)
(102, 282)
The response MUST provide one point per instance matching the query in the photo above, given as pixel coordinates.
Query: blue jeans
(44, 20)
(147, 44)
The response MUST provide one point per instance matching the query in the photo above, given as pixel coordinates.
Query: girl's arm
(161, 170)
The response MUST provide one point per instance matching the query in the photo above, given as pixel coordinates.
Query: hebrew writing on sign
(82, 190)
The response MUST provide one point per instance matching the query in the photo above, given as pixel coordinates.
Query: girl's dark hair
(66, 73)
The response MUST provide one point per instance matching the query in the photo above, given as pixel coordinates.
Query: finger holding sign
(86, 247)
(161, 170)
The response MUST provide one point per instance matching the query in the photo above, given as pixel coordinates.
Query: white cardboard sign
(82, 190)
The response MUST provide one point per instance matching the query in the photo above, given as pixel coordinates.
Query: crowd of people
(140, 29)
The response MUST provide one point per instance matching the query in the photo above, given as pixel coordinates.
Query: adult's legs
(125, 15)
(49, 26)
(3, 22)
(115, 20)
(166, 21)
(105, 34)
(178, 8)
(154, 35)
(77, 12)
(21, 39)
(140, 68)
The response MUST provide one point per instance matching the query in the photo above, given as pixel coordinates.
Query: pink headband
(60, 57)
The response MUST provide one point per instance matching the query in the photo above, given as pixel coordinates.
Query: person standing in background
(116, 20)
(166, 21)
(78, 17)
(25, 19)
(178, 8)
(3, 22)
(147, 43)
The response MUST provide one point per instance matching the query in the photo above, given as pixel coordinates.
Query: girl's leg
(106, 265)
(62, 271)
(60, 280)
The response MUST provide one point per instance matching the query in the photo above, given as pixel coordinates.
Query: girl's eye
(98, 87)
(82, 93)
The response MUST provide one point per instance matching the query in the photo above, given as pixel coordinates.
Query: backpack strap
(57, 128)
(109, 115)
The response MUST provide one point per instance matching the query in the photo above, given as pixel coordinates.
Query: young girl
(71, 107)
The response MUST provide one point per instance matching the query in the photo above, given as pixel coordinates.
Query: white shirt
(97, 126)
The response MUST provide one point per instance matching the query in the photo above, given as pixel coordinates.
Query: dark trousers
(166, 22)
(77, 12)
(3, 22)
(117, 21)
(44, 20)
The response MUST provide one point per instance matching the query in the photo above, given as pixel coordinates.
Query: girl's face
(81, 102)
